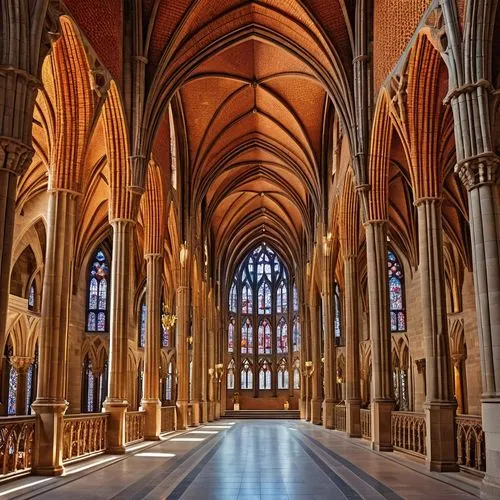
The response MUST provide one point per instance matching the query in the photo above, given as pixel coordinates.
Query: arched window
(264, 376)
(233, 303)
(173, 148)
(230, 375)
(230, 335)
(32, 296)
(247, 337)
(283, 374)
(282, 337)
(246, 375)
(337, 324)
(31, 381)
(296, 375)
(396, 293)
(260, 303)
(296, 334)
(295, 299)
(168, 382)
(97, 303)
(142, 324)
(264, 337)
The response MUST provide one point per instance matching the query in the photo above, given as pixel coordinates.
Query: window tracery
(97, 293)
(397, 314)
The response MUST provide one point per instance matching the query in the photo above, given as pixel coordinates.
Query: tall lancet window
(396, 293)
(97, 293)
(142, 323)
(261, 312)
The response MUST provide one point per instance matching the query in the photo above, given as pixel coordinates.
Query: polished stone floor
(248, 460)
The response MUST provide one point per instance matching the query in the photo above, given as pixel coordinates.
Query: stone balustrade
(340, 417)
(471, 448)
(134, 426)
(168, 418)
(17, 435)
(366, 423)
(85, 434)
(409, 432)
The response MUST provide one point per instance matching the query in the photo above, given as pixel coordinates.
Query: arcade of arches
(262, 204)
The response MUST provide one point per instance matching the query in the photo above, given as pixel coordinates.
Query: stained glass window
(247, 337)
(283, 374)
(264, 376)
(168, 383)
(260, 300)
(296, 334)
(264, 337)
(97, 304)
(31, 297)
(396, 293)
(282, 337)
(142, 325)
(230, 375)
(230, 335)
(264, 298)
(337, 325)
(11, 408)
(247, 300)
(246, 375)
(233, 298)
(29, 388)
(295, 298)
(89, 385)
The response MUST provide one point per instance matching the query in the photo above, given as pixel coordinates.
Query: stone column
(197, 357)
(316, 399)
(204, 355)
(330, 373)
(382, 396)
(440, 405)
(116, 403)
(480, 176)
(211, 359)
(150, 402)
(50, 404)
(21, 364)
(305, 405)
(351, 329)
(182, 303)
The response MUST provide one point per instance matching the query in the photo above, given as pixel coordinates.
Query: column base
(196, 414)
(441, 439)
(353, 418)
(329, 414)
(316, 411)
(490, 409)
(116, 425)
(381, 424)
(152, 427)
(204, 412)
(217, 410)
(49, 442)
(182, 416)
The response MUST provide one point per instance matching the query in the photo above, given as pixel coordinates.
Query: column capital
(153, 256)
(479, 169)
(428, 200)
(15, 156)
(21, 363)
(375, 222)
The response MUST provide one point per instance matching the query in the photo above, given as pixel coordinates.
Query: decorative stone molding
(15, 156)
(477, 170)
(21, 363)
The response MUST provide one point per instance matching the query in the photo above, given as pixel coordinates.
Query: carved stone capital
(21, 363)
(15, 156)
(478, 170)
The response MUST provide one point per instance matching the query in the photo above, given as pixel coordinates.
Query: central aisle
(246, 460)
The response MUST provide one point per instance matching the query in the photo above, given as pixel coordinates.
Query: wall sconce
(322, 360)
(308, 364)
(167, 319)
(211, 372)
(190, 340)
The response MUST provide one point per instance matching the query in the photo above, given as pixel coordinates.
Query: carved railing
(471, 452)
(366, 423)
(408, 432)
(168, 418)
(340, 417)
(17, 435)
(84, 435)
(134, 426)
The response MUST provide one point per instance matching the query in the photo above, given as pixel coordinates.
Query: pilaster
(182, 304)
